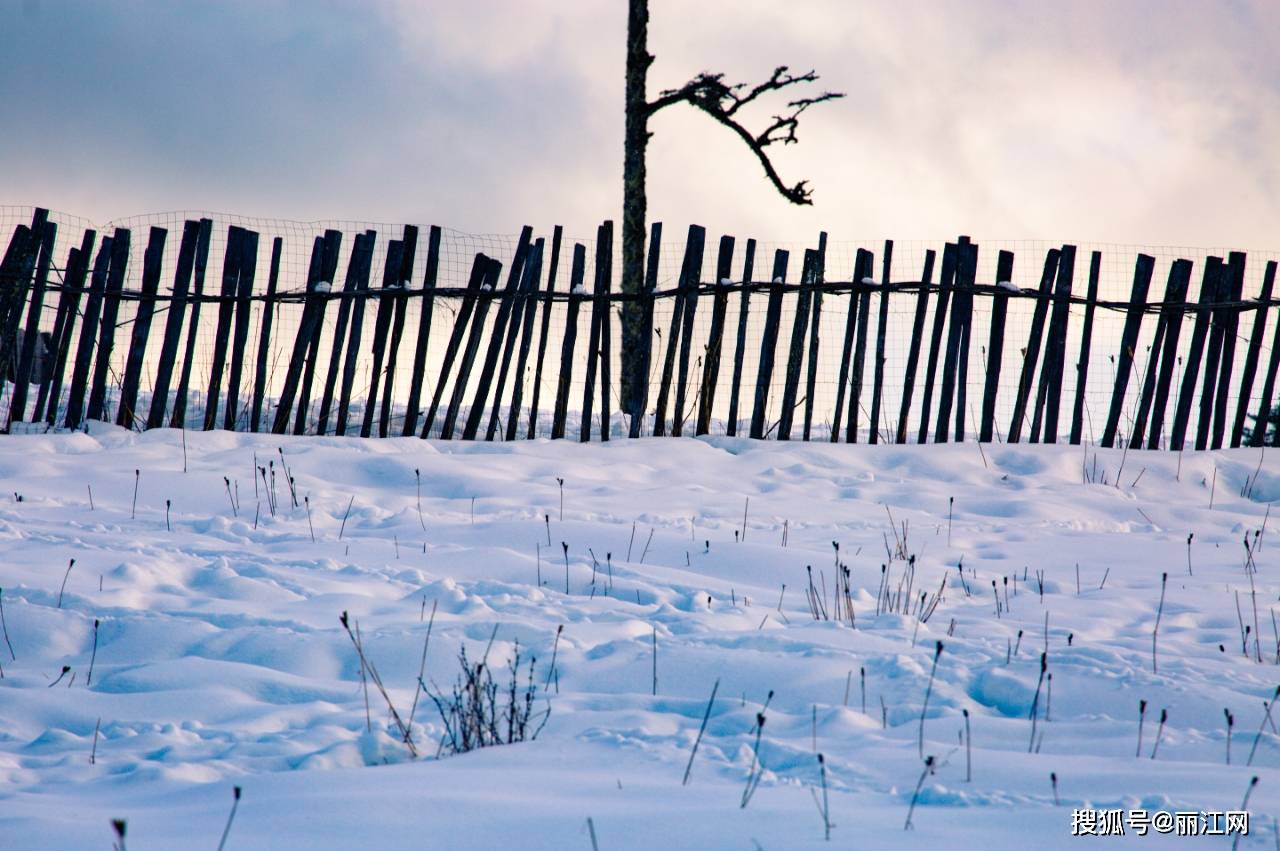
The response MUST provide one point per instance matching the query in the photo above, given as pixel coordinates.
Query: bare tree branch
(709, 93)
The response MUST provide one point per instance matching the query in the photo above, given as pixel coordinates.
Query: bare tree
(721, 101)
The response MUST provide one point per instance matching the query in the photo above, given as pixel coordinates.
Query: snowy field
(219, 659)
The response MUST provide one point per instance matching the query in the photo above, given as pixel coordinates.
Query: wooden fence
(478, 354)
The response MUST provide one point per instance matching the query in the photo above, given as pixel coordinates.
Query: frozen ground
(221, 661)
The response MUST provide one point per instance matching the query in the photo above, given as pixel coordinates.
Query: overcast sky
(1144, 122)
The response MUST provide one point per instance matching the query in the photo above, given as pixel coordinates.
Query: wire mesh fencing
(219, 321)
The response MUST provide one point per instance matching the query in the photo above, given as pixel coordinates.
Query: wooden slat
(16, 267)
(264, 336)
(606, 335)
(1180, 280)
(107, 326)
(77, 273)
(862, 270)
(1251, 357)
(1055, 358)
(1199, 331)
(425, 311)
(308, 325)
(381, 326)
(740, 350)
(327, 272)
(226, 311)
(521, 303)
(715, 341)
(815, 326)
(362, 258)
(88, 331)
(955, 328)
(1257, 434)
(1213, 352)
(769, 345)
(533, 273)
(173, 324)
(967, 271)
(1231, 323)
(690, 269)
(178, 418)
(31, 333)
(791, 385)
(690, 290)
(913, 350)
(995, 346)
(400, 302)
(141, 327)
(647, 331)
(55, 336)
(599, 310)
(1142, 271)
(1031, 353)
(945, 281)
(1086, 338)
(497, 335)
(859, 356)
(479, 271)
(547, 298)
(1154, 359)
(468, 359)
(244, 289)
(577, 274)
(882, 327)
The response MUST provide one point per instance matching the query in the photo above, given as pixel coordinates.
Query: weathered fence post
(107, 326)
(479, 273)
(264, 336)
(1086, 338)
(995, 345)
(811, 380)
(425, 311)
(248, 270)
(173, 324)
(769, 345)
(1031, 354)
(719, 306)
(549, 300)
(740, 350)
(791, 387)
(141, 327)
(361, 265)
(204, 235)
(577, 274)
(881, 329)
(913, 351)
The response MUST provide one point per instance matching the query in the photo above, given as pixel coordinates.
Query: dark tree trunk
(634, 369)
